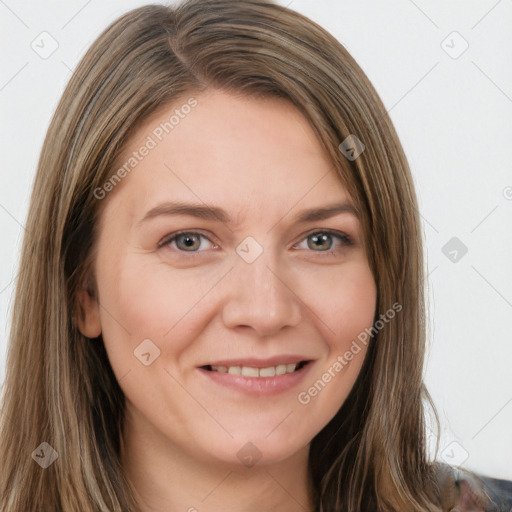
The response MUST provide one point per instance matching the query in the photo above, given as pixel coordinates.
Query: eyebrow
(202, 211)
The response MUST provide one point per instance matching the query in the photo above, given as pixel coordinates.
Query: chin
(257, 450)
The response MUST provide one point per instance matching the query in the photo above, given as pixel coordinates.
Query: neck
(165, 478)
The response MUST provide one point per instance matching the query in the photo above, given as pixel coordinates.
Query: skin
(259, 160)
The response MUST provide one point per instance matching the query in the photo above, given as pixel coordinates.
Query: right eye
(187, 241)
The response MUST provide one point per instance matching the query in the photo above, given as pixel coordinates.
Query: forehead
(228, 149)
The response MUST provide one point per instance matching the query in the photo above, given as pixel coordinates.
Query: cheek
(343, 318)
(345, 302)
(143, 301)
(356, 307)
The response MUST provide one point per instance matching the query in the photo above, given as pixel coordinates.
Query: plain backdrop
(444, 72)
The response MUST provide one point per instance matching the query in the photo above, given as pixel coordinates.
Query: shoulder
(499, 491)
(466, 491)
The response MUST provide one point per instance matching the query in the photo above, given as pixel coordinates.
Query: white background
(453, 116)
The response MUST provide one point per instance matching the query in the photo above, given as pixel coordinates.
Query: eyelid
(344, 238)
(167, 239)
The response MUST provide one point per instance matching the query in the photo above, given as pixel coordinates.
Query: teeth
(233, 370)
(249, 371)
(280, 369)
(267, 372)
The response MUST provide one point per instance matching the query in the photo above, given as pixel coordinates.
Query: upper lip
(256, 362)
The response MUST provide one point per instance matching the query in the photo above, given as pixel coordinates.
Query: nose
(261, 298)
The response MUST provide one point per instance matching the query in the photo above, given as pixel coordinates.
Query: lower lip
(259, 386)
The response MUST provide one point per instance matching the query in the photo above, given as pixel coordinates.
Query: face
(231, 280)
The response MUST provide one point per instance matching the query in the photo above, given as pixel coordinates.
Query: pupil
(319, 242)
(188, 241)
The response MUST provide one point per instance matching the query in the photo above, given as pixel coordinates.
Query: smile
(255, 379)
(251, 371)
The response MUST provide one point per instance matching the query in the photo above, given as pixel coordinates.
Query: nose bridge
(259, 296)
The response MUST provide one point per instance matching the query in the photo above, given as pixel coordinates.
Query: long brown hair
(61, 390)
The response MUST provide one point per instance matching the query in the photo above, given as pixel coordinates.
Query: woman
(220, 298)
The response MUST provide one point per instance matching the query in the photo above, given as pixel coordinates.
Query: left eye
(187, 241)
(192, 241)
(321, 241)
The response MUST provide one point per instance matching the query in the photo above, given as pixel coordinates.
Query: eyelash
(344, 239)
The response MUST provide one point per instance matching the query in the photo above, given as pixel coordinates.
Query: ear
(88, 314)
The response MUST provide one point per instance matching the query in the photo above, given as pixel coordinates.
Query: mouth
(257, 371)
(255, 376)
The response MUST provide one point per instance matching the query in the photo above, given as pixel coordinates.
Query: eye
(325, 240)
(319, 241)
(187, 241)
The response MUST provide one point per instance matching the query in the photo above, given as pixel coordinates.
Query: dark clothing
(464, 491)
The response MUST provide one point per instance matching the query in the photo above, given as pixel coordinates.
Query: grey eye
(322, 242)
(188, 241)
